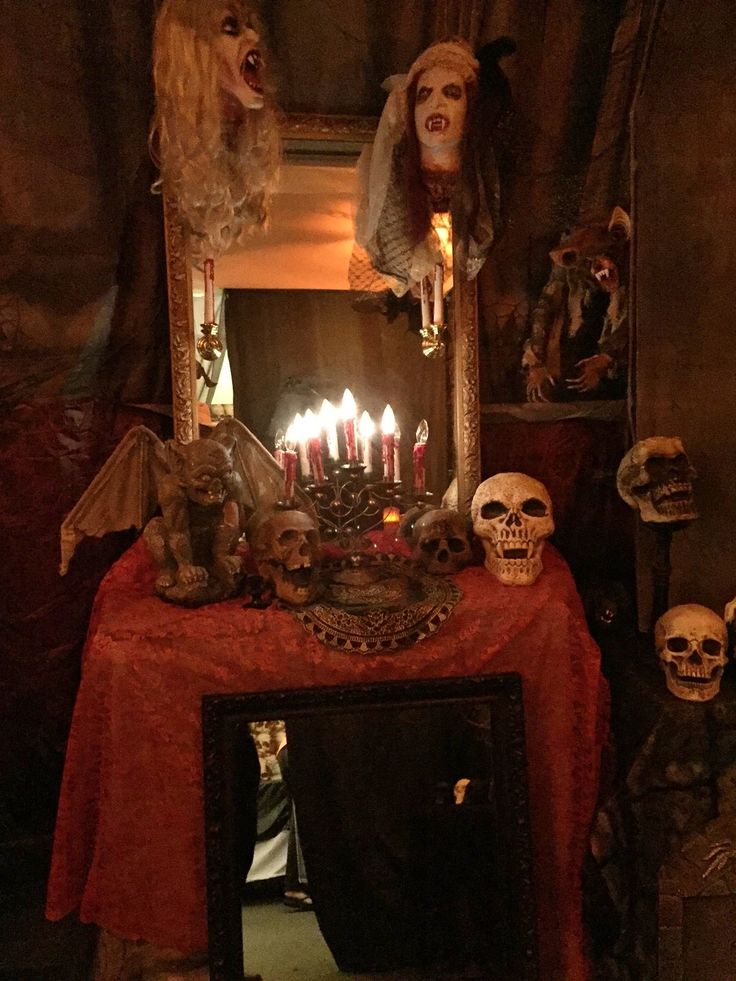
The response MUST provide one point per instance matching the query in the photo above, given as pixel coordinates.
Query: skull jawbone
(514, 572)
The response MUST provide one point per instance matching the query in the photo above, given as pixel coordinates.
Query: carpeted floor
(281, 944)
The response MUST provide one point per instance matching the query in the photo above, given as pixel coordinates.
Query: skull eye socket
(534, 508)
(677, 644)
(456, 544)
(289, 536)
(430, 545)
(493, 509)
(569, 257)
(711, 646)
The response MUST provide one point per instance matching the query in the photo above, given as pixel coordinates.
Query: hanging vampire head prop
(431, 154)
(214, 133)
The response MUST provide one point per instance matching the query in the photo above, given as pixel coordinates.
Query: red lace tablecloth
(129, 843)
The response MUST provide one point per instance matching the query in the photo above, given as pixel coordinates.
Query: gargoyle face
(207, 471)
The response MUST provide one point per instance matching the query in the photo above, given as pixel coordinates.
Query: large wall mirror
(294, 333)
(410, 801)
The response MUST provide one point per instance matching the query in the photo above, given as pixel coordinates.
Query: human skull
(286, 547)
(440, 542)
(691, 643)
(655, 476)
(512, 515)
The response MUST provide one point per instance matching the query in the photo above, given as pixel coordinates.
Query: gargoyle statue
(206, 490)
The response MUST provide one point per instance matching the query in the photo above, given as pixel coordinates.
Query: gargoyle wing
(122, 495)
(262, 477)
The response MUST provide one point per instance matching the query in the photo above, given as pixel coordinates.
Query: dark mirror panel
(403, 819)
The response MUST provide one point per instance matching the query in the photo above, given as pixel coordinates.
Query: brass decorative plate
(380, 606)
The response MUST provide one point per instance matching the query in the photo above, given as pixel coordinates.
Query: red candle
(289, 465)
(348, 412)
(314, 450)
(420, 448)
(314, 446)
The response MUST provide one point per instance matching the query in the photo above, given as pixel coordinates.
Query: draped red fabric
(129, 845)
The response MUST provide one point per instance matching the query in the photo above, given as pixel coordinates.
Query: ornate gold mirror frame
(310, 134)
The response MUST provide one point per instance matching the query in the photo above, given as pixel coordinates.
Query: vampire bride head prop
(214, 132)
(429, 156)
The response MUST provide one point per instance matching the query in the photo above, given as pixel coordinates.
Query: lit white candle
(424, 301)
(348, 412)
(367, 429)
(388, 427)
(289, 463)
(209, 291)
(437, 313)
(300, 436)
(328, 421)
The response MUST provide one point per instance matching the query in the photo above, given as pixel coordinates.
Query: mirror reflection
(384, 844)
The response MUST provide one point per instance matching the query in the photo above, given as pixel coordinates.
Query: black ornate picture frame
(229, 766)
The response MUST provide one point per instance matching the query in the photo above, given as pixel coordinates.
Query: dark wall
(685, 221)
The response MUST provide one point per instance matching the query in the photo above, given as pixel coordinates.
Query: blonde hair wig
(217, 159)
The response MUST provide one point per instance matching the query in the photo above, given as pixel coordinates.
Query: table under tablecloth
(129, 841)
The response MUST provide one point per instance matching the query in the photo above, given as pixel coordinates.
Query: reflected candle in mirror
(314, 446)
(438, 312)
(367, 429)
(420, 449)
(348, 413)
(288, 456)
(388, 427)
(300, 437)
(328, 421)
(424, 301)
(209, 291)
(278, 452)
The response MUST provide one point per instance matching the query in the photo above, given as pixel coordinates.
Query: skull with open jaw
(512, 515)
(286, 548)
(691, 643)
(656, 477)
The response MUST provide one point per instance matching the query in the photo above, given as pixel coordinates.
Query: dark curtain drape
(83, 333)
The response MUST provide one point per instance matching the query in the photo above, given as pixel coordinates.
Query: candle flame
(298, 428)
(312, 427)
(278, 440)
(327, 414)
(348, 409)
(388, 421)
(290, 439)
(366, 427)
(423, 431)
